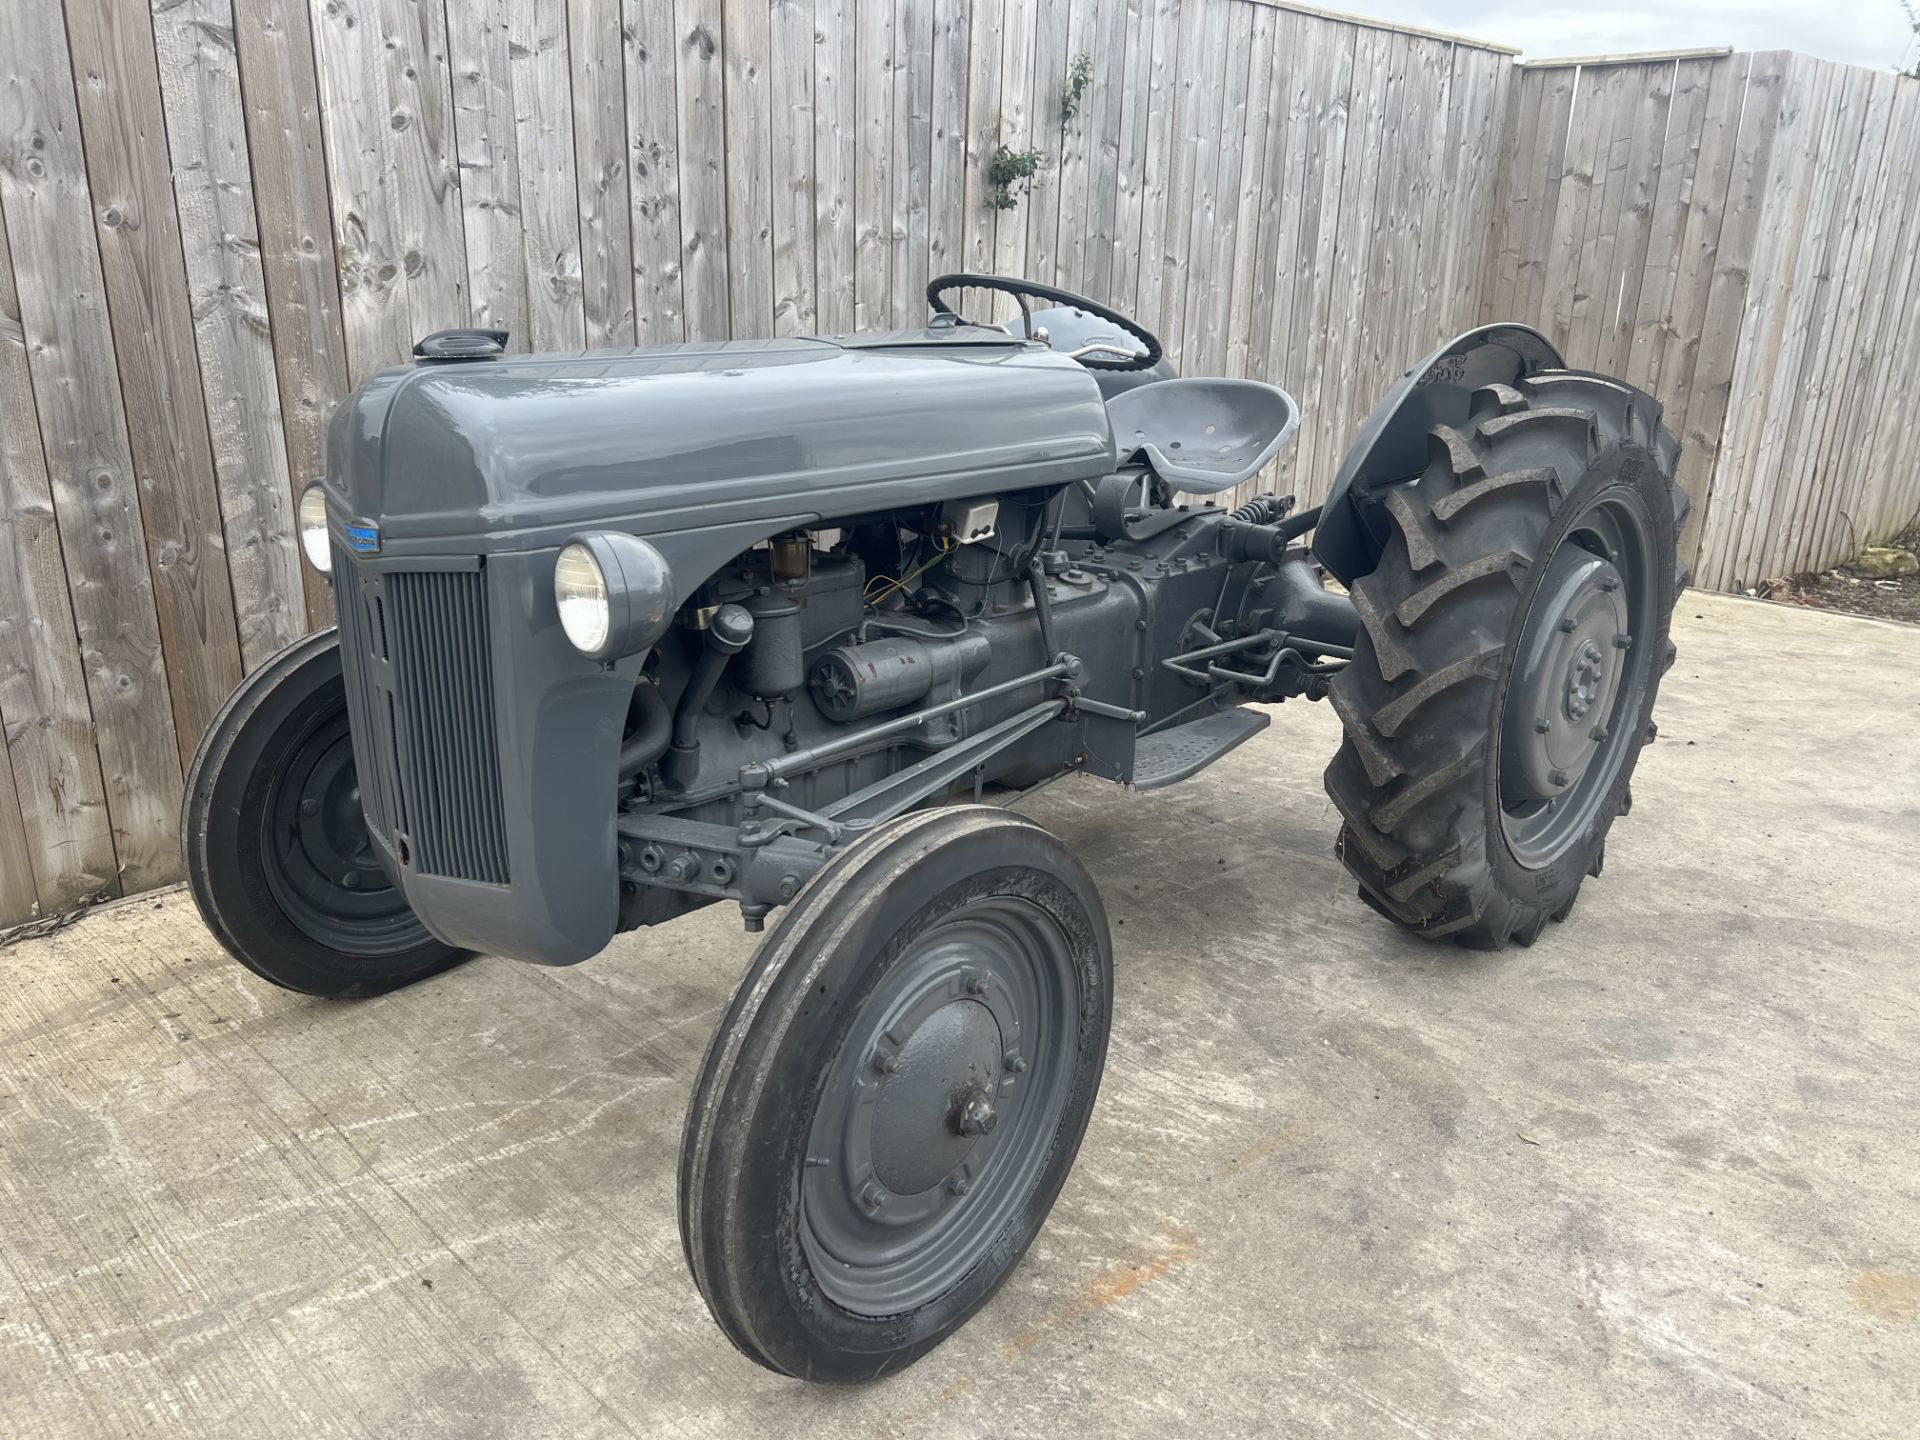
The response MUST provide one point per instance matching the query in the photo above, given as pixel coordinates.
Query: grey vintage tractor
(787, 623)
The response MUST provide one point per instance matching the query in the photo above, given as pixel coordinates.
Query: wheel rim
(1567, 727)
(316, 853)
(940, 1108)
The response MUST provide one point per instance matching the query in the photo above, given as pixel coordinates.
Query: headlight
(580, 590)
(312, 524)
(614, 593)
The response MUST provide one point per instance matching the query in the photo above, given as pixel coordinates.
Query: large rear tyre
(896, 1094)
(1513, 637)
(277, 853)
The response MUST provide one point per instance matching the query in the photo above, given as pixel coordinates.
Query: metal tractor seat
(1201, 436)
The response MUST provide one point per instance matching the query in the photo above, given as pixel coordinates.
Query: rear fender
(1392, 446)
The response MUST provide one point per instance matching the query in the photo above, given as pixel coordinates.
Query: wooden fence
(1737, 234)
(217, 217)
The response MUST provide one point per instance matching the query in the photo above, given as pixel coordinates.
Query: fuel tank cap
(462, 345)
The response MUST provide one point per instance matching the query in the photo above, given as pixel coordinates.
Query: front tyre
(275, 843)
(1512, 641)
(896, 1094)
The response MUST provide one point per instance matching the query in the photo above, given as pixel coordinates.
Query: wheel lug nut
(1623, 642)
(886, 1064)
(957, 1186)
(1610, 584)
(350, 880)
(1557, 777)
(309, 807)
(1016, 1064)
(1567, 626)
(976, 985)
(1599, 734)
(872, 1198)
(1541, 727)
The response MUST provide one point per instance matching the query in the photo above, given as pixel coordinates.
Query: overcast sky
(1865, 32)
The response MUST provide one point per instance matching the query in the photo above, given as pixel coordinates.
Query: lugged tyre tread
(1409, 777)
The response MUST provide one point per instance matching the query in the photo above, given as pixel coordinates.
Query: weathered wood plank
(19, 900)
(1302, 358)
(1073, 166)
(1820, 397)
(1159, 158)
(117, 82)
(947, 198)
(984, 55)
(749, 166)
(702, 153)
(835, 131)
(424, 163)
(605, 219)
(1672, 201)
(1717, 357)
(1244, 290)
(794, 205)
(1760, 327)
(227, 289)
(46, 723)
(1107, 44)
(356, 111)
(912, 139)
(69, 343)
(1347, 299)
(297, 258)
(651, 35)
(873, 161)
(1211, 249)
(1050, 60)
(1197, 111)
(488, 152)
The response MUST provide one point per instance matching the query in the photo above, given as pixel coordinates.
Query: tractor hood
(517, 452)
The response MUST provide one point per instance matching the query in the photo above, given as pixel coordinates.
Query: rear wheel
(276, 847)
(1512, 641)
(896, 1094)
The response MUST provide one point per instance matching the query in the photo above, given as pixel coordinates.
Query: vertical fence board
(873, 158)
(46, 724)
(946, 237)
(117, 82)
(749, 166)
(605, 219)
(69, 342)
(702, 152)
(795, 311)
(983, 60)
(227, 290)
(651, 36)
(297, 260)
(488, 153)
(540, 96)
(835, 133)
(1158, 160)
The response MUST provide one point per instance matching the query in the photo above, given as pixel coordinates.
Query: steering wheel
(1024, 290)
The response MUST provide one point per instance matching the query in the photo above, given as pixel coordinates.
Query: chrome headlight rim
(310, 524)
(636, 585)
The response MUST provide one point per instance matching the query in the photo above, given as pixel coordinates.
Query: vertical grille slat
(443, 673)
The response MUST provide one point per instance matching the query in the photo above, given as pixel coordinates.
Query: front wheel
(1512, 641)
(276, 847)
(896, 1094)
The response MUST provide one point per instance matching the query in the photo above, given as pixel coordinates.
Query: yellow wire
(876, 596)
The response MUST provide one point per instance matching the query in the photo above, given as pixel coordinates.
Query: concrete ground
(1655, 1176)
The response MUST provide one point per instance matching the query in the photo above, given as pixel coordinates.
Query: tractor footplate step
(1172, 755)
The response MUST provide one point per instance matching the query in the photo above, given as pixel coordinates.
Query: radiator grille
(443, 684)
(421, 702)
